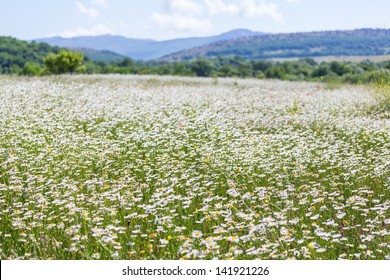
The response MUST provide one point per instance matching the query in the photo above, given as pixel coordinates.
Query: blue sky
(165, 19)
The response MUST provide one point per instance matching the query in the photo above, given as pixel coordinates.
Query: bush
(321, 71)
(379, 77)
(275, 72)
(64, 62)
(32, 69)
(15, 70)
(382, 95)
(202, 68)
(353, 79)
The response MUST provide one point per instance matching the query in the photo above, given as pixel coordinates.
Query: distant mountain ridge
(99, 56)
(360, 42)
(142, 49)
(240, 42)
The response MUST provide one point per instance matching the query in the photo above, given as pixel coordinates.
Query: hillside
(99, 56)
(15, 53)
(116, 44)
(362, 42)
(141, 49)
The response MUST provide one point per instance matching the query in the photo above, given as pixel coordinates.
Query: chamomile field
(125, 167)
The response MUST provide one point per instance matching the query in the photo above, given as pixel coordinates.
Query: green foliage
(332, 83)
(226, 71)
(245, 70)
(295, 109)
(363, 42)
(332, 73)
(14, 54)
(261, 65)
(14, 69)
(127, 62)
(382, 95)
(81, 69)
(321, 71)
(340, 68)
(275, 72)
(64, 62)
(102, 56)
(32, 69)
(22, 58)
(201, 67)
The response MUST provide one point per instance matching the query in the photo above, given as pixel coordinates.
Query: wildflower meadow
(144, 168)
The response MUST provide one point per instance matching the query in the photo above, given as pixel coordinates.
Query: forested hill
(15, 53)
(361, 42)
(99, 55)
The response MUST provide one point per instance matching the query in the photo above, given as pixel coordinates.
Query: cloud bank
(90, 12)
(182, 16)
(99, 29)
(190, 15)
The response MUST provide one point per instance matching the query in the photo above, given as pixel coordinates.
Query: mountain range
(141, 49)
(241, 42)
(360, 42)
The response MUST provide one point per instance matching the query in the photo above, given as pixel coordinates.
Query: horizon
(212, 35)
(162, 20)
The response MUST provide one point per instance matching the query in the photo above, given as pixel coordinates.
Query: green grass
(382, 95)
(380, 106)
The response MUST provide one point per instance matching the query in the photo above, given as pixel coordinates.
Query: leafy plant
(382, 95)
(64, 62)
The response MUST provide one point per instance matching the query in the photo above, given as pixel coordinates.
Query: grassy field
(111, 167)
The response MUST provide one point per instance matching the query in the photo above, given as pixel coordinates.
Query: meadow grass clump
(126, 167)
(382, 95)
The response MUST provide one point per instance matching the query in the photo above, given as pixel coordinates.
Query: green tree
(15, 69)
(179, 69)
(387, 65)
(126, 62)
(32, 69)
(245, 70)
(64, 62)
(202, 68)
(226, 71)
(309, 61)
(275, 72)
(340, 68)
(321, 71)
(261, 65)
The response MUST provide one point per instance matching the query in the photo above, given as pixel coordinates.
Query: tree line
(306, 69)
(32, 59)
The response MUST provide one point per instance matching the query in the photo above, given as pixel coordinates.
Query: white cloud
(102, 3)
(90, 12)
(254, 9)
(191, 16)
(181, 23)
(99, 29)
(293, 1)
(182, 6)
(123, 24)
(181, 16)
(220, 7)
(246, 8)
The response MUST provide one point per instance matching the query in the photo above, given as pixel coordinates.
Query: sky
(168, 19)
